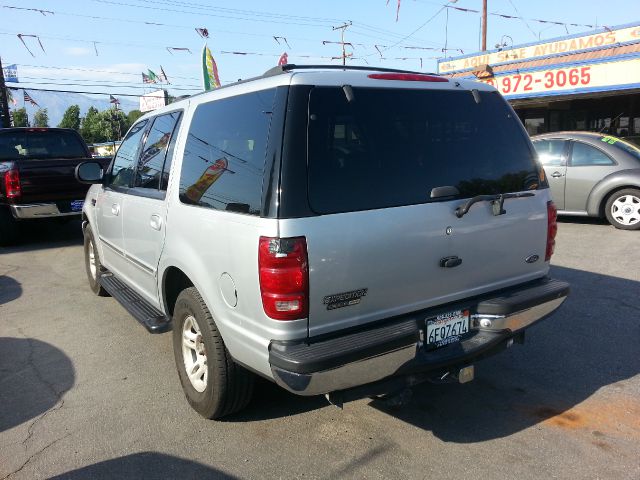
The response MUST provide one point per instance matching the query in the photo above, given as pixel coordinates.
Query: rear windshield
(391, 147)
(40, 145)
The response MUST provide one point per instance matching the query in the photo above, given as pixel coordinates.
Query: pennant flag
(114, 100)
(27, 98)
(203, 32)
(397, 10)
(152, 76)
(283, 59)
(210, 79)
(11, 73)
(177, 49)
(163, 76)
(147, 79)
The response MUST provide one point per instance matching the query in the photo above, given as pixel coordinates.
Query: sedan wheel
(623, 209)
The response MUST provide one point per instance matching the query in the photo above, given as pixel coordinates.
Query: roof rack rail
(291, 66)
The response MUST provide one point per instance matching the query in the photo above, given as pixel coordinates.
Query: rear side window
(584, 155)
(154, 154)
(34, 144)
(224, 156)
(391, 147)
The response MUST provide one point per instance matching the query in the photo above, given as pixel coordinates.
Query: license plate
(76, 205)
(446, 328)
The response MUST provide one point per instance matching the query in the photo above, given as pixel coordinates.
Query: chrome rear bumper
(295, 368)
(39, 210)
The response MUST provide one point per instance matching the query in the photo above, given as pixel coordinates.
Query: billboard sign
(153, 100)
(570, 44)
(569, 79)
(10, 73)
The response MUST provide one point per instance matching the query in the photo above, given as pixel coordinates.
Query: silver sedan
(592, 174)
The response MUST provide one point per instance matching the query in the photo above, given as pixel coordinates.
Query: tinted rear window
(40, 145)
(391, 147)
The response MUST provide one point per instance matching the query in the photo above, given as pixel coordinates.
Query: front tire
(213, 383)
(92, 263)
(623, 209)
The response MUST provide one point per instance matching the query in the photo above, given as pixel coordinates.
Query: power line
(248, 17)
(417, 29)
(201, 6)
(82, 83)
(96, 71)
(74, 91)
(363, 26)
(523, 20)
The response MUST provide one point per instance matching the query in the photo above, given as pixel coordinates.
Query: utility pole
(343, 28)
(484, 25)
(5, 120)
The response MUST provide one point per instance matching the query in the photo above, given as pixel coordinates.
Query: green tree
(71, 118)
(113, 124)
(20, 117)
(41, 118)
(90, 127)
(132, 116)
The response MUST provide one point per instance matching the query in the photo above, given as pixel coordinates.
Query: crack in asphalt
(58, 395)
(34, 455)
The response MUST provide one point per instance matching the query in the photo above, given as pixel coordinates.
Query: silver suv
(344, 231)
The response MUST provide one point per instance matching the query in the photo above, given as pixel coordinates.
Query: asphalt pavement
(86, 392)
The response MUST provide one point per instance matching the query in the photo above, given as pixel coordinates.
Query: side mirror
(89, 172)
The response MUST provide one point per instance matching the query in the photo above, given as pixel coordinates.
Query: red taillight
(552, 229)
(12, 186)
(407, 77)
(284, 277)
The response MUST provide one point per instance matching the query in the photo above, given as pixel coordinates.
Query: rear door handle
(115, 209)
(156, 222)
(557, 174)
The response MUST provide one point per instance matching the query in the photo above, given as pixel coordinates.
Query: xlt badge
(346, 299)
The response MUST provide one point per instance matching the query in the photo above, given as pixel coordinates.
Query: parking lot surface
(86, 392)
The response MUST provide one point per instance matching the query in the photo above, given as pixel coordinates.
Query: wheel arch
(606, 187)
(174, 281)
(609, 194)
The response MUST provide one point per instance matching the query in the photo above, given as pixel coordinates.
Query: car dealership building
(588, 81)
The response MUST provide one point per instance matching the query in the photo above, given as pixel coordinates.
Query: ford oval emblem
(532, 259)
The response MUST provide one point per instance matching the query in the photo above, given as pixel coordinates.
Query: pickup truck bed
(37, 180)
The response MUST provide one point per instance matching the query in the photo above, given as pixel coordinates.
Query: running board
(149, 316)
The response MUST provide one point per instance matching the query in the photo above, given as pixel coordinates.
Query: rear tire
(623, 209)
(215, 385)
(92, 263)
(9, 229)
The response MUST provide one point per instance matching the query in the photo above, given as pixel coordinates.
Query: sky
(104, 45)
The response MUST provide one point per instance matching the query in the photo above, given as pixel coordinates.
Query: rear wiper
(497, 202)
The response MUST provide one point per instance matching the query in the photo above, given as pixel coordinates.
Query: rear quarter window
(224, 156)
(391, 147)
